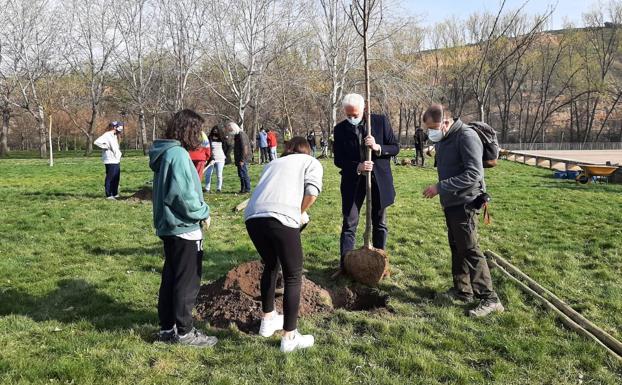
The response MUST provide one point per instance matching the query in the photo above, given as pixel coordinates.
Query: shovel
(367, 265)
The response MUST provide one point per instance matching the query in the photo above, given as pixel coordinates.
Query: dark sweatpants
(278, 244)
(351, 220)
(181, 279)
(469, 268)
(419, 154)
(113, 175)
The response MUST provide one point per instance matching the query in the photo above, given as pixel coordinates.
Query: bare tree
(603, 35)
(489, 34)
(91, 42)
(247, 36)
(141, 50)
(32, 30)
(340, 47)
(186, 22)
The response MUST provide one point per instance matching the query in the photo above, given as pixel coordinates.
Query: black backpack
(488, 136)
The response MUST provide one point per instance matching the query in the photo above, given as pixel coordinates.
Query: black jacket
(241, 148)
(348, 155)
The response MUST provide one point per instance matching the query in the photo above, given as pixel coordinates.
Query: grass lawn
(79, 277)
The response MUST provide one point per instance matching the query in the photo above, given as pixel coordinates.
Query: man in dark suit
(350, 148)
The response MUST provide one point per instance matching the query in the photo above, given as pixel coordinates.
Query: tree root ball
(367, 265)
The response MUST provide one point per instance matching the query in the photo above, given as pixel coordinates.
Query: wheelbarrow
(591, 170)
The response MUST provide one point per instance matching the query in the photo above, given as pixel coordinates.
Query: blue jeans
(113, 175)
(219, 166)
(245, 180)
(273, 154)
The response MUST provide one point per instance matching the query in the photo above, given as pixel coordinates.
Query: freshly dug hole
(143, 194)
(236, 299)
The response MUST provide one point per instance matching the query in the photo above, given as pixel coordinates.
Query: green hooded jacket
(178, 204)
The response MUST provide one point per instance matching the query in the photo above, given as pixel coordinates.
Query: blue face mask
(435, 135)
(354, 121)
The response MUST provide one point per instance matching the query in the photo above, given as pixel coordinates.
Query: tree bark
(4, 134)
(43, 133)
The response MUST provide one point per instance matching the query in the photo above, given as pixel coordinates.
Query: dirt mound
(144, 194)
(367, 266)
(236, 298)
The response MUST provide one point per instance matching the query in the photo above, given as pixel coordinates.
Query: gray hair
(353, 100)
(233, 127)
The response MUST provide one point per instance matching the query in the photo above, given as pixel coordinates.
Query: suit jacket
(347, 150)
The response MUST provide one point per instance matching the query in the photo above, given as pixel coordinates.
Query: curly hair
(185, 126)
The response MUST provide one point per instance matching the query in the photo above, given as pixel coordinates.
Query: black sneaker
(455, 295)
(168, 336)
(197, 339)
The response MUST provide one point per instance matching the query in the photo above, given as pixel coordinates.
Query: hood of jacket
(159, 147)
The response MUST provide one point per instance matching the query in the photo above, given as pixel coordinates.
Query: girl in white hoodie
(111, 156)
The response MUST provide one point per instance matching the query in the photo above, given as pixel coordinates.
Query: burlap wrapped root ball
(367, 265)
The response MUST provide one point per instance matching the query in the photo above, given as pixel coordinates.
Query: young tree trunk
(43, 133)
(4, 134)
(90, 131)
(142, 127)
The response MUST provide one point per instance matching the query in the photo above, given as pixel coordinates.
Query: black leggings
(276, 244)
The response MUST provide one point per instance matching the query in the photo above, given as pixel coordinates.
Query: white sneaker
(111, 198)
(297, 341)
(271, 325)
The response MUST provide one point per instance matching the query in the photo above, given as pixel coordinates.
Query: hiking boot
(454, 295)
(168, 336)
(197, 339)
(485, 307)
(271, 324)
(296, 341)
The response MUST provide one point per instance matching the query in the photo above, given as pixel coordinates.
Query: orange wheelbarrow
(591, 170)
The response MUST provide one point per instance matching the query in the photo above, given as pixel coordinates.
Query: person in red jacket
(201, 155)
(272, 143)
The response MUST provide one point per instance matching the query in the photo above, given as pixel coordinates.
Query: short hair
(186, 127)
(353, 100)
(297, 145)
(434, 113)
(233, 126)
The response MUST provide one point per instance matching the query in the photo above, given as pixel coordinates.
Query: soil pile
(236, 298)
(144, 194)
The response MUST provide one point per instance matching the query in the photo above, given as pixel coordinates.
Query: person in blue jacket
(178, 215)
(350, 147)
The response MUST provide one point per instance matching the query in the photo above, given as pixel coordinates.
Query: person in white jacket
(111, 156)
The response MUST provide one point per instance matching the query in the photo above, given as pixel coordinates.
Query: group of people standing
(267, 143)
(288, 187)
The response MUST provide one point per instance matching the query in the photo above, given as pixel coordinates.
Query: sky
(433, 11)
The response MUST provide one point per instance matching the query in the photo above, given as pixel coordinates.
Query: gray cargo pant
(469, 268)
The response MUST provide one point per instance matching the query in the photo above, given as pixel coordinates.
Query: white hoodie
(108, 142)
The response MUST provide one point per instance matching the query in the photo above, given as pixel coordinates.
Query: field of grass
(79, 277)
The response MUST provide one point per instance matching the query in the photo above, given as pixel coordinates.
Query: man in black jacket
(241, 155)
(350, 148)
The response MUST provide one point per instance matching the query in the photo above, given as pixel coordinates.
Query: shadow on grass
(74, 300)
(98, 251)
(61, 194)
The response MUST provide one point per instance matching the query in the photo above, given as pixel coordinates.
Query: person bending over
(274, 217)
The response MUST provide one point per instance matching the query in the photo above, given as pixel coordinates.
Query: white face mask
(355, 121)
(435, 135)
